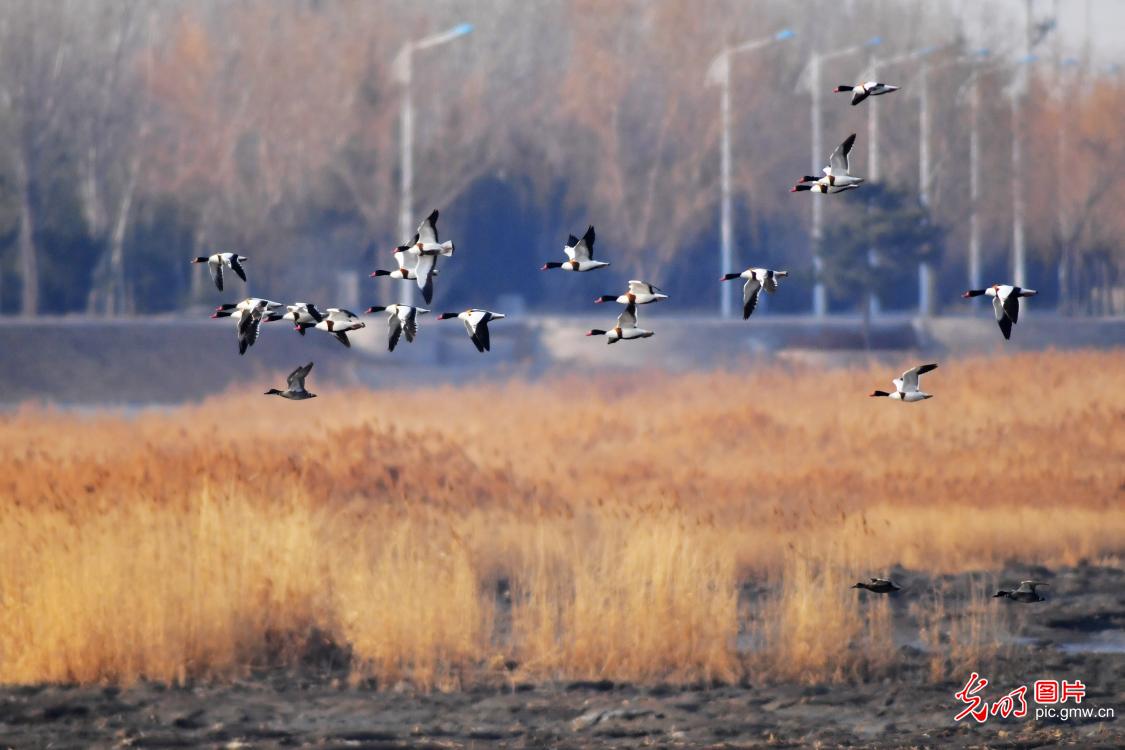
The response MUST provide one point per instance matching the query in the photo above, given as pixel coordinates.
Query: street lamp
(973, 84)
(718, 73)
(1061, 150)
(404, 71)
(873, 107)
(820, 297)
(1015, 93)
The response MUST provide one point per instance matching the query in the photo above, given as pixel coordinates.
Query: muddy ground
(1078, 634)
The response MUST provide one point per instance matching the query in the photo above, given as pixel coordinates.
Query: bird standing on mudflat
(1025, 593)
(879, 586)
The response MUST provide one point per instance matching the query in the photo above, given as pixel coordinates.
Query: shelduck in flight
(639, 293)
(338, 322)
(400, 319)
(476, 323)
(426, 248)
(406, 261)
(304, 316)
(837, 177)
(216, 262)
(861, 91)
(757, 279)
(906, 387)
(625, 329)
(1005, 303)
(248, 317)
(580, 252)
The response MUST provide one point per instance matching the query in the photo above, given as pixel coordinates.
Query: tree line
(134, 136)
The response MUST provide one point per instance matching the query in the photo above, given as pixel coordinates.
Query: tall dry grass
(572, 529)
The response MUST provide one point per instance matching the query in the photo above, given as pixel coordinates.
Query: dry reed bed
(621, 512)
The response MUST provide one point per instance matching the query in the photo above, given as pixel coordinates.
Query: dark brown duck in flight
(296, 385)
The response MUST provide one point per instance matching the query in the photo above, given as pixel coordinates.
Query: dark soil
(1075, 635)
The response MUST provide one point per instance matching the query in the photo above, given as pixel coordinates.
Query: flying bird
(338, 322)
(400, 319)
(580, 252)
(476, 323)
(625, 329)
(426, 247)
(1005, 304)
(639, 293)
(248, 316)
(906, 387)
(1025, 593)
(406, 261)
(757, 279)
(837, 175)
(295, 390)
(861, 91)
(216, 262)
(304, 316)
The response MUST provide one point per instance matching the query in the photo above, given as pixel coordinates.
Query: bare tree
(35, 59)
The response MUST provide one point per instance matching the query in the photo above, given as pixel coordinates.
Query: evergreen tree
(875, 242)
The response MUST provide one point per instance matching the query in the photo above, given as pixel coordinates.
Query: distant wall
(170, 360)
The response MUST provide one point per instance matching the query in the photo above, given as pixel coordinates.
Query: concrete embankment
(172, 359)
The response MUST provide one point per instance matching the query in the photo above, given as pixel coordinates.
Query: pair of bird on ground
(1025, 592)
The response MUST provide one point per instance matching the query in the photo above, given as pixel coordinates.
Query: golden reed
(577, 528)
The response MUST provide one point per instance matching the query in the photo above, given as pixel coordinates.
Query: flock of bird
(417, 261)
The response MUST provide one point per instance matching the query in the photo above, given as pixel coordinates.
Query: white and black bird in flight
(906, 386)
(427, 247)
(476, 323)
(1005, 304)
(338, 322)
(249, 314)
(304, 316)
(638, 293)
(216, 262)
(295, 387)
(625, 330)
(757, 279)
(861, 91)
(406, 262)
(400, 319)
(837, 177)
(580, 254)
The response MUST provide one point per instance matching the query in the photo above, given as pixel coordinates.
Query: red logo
(1014, 703)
